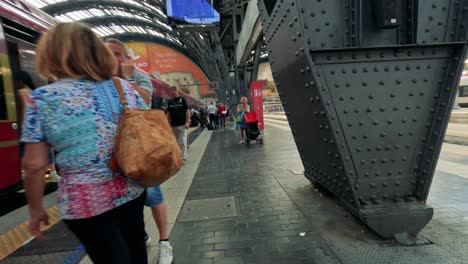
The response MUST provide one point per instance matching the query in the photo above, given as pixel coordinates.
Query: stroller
(252, 131)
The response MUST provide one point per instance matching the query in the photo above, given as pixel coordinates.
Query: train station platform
(457, 130)
(234, 203)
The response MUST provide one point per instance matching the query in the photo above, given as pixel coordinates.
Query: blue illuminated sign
(192, 11)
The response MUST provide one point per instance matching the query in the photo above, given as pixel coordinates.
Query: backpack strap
(118, 86)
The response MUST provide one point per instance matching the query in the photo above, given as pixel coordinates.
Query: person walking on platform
(141, 82)
(77, 116)
(212, 114)
(203, 113)
(222, 115)
(241, 124)
(178, 114)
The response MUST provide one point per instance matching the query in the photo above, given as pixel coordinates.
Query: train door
(10, 175)
(17, 47)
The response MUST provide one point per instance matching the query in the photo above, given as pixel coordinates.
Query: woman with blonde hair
(241, 124)
(77, 116)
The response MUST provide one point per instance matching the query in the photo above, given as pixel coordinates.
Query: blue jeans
(154, 196)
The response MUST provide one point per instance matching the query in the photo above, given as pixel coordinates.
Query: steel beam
(369, 104)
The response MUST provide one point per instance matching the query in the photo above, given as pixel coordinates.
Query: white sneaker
(53, 176)
(165, 252)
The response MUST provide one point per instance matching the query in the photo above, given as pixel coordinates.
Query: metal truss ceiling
(133, 20)
(117, 11)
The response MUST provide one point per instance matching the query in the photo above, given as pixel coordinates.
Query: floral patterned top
(79, 118)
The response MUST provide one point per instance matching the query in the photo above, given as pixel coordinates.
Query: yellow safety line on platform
(16, 237)
(10, 143)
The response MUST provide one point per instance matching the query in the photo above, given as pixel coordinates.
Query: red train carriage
(20, 27)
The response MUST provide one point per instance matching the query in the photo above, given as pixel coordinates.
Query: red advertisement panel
(256, 92)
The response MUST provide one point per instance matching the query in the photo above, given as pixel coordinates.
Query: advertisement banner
(170, 66)
(256, 93)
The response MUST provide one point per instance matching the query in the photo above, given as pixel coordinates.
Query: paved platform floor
(282, 218)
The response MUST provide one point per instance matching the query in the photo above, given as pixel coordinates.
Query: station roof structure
(114, 17)
(129, 20)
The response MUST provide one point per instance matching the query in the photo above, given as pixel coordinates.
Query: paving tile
(212, 254)
(228, 260)
(268, 219)
(205, 247)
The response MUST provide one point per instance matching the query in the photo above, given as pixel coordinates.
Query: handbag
(146, 149)
(240, 117)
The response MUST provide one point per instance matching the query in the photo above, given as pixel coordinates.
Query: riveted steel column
(368, 104)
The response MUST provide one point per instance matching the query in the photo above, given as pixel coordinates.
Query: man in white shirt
(212, 114)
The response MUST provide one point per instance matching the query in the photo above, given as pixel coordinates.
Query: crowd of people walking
(72, 122)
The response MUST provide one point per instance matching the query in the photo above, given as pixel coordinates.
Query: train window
(22, 56)
(3, 107)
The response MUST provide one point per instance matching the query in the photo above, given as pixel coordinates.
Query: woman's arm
(247, 108)
(34, 163)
